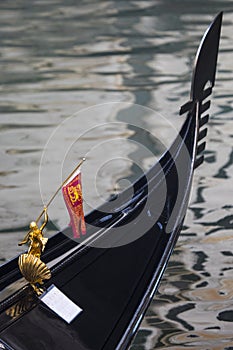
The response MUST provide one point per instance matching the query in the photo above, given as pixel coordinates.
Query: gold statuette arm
(25, 240)
(27, 237)
(45, 219)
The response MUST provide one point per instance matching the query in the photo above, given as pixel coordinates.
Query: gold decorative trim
(30, 265)
(33, 269)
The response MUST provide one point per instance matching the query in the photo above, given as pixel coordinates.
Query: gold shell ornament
(34, 270)
(30, 265)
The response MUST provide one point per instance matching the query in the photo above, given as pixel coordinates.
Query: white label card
(59, 303)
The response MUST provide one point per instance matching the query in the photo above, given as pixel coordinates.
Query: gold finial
(30, 265)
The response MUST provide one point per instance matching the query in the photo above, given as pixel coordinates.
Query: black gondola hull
(114, 277)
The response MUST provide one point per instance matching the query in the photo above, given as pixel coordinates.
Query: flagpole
(59, 188)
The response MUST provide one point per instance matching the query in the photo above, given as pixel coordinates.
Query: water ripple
(58, 58)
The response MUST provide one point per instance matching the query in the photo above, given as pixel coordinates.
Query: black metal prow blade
(203, 80)
(205, 65)
(206, 59)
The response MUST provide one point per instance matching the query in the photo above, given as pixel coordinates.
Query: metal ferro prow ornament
(30, 265)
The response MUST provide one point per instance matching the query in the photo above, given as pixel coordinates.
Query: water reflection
(59, 57)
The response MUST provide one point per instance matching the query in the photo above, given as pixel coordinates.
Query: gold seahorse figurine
(30, 265)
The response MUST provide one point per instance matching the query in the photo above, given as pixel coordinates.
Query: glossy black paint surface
(114, 285)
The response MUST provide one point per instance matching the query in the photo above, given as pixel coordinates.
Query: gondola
(114, 276)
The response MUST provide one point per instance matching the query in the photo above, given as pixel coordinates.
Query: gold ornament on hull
(30, 265)
(34, 270)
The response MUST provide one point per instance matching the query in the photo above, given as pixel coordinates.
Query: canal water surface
(105, 80)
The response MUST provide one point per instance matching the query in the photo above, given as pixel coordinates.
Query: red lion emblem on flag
(72, 193)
